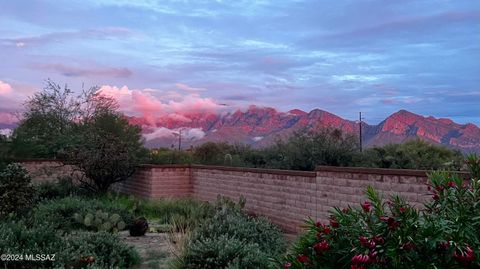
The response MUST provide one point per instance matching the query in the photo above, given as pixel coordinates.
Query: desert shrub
(71, 251)
(16, 194)
(392, 234)
(17, 238)
(225, 251)
(60, 188)
(232, 239)
(60, 213)
(107, 250)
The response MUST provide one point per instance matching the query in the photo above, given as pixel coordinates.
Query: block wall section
(171, 182)
(285, 197)
(140, 184)
(46, 170)
(343, 187)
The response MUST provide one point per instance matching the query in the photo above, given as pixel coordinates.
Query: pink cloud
(151, 103)
(8, 118)
(5, 88)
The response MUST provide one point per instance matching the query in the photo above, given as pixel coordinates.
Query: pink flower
(327, 230)
(403, 210)
(443, 246)
(334, 223)
(287, 265)
(466, 256)
(408, 246)
(360, 258)
(363, 240)
(322, 246)
(368, 243)
(378, 240)
(366, 206)
(383, 218)
(452, 184)
(303, 259)
(392, 223)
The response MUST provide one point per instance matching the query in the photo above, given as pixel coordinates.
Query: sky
(156, 57)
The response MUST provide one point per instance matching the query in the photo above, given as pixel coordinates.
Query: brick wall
(159, 181)
(285, 197)
(46, 170)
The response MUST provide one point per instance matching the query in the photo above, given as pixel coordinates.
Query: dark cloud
(71, 71)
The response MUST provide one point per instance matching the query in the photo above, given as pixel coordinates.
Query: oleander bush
(16, 193)
(392, 234)
(232, 239)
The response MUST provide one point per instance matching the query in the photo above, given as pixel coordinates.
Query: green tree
(4, 151)
(212, 153)
(84, 130)
(414, 154)
(307, 148)
(46, 123)
(107, 150)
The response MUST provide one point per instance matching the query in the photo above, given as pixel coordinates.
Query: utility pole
(179, 139)
(360, 129)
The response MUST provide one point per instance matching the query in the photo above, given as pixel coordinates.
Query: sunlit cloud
(151, 103)
(5, 88)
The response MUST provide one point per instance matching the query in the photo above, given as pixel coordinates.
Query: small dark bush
(139, 227)
(16, 194)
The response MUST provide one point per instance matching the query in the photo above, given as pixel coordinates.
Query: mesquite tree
(84, 130)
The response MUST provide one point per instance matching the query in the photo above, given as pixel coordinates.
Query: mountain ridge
(261, 126)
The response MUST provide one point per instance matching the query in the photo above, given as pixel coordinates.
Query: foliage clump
(64, 214)
(393, 234)
(75, 250)
(414, 154)
(232, 239)
(16, 192)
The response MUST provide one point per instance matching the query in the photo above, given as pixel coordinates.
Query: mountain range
(261, 126)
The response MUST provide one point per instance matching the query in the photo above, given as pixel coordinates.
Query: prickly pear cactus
(101, 221)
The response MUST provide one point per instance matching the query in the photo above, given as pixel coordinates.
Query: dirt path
(152, 247)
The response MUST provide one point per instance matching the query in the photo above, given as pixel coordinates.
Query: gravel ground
(152, 247)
